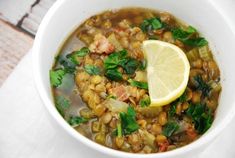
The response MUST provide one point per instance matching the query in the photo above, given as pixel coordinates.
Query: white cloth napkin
(28, 131)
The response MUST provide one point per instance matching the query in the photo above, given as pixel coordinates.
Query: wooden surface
(19, 22)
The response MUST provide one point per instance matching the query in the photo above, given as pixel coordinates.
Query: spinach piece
(130, 65)
(170, 128)
(56, 77)
(62, 104)
(172, 110)
(185, 36)
(138, 84)
(201, 116)
(113, 74)
(77, 120)
(119, 59)
(92, 70)
(128, 121)
(145, 102)
(68, 65)
(151, 24)
(143, 64)
(114, 59)
(202, 86)
(82, 52)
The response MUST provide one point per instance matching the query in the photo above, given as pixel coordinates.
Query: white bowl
(66, 15)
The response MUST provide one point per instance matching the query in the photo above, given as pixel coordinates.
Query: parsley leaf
(62, 104)
(92, 70)
(145, 102)
(113, 74)
(143, 85)
(170, 128)
(151, 24)
(68, 65)
(185, 36)
(56, 77)
(130, 65)
(172, 110)
(76, 120)
(128, 121)
(82, 52)
(202, 86)
(114, 59)
(201, 116)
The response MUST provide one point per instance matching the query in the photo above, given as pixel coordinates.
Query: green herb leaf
(196, 42)
(170, 128)
(62, 104)
(82, 52)
(143, 64)
(113, 74)
(114, 59)
(138, 84)
(202, 86)
(130, 65)
(76, 120)
(56, 77)
(128, 121)
(151, 24)
(201, 116)
(185, 37)
(183, 97)
(92, 70)
(145, 102)
(172, 110)
(68, 65)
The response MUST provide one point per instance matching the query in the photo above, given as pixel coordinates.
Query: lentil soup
(100, 86)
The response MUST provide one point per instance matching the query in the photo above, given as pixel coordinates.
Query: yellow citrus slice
(167, 71)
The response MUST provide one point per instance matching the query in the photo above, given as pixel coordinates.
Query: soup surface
(100, 86)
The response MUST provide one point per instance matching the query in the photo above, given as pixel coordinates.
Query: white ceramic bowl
(66, 15)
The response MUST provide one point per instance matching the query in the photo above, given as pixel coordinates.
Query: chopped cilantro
(56, 77)
(113, 74)
(170, 128)
(92, 70)
(202, 86)
(128, 121)
(76, 120)
(201, 116)
(143, 85)
(151, 24)
(145, 102)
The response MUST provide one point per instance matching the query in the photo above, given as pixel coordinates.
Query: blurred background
(19, 21)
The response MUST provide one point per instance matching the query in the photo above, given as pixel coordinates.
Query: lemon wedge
(167, 71)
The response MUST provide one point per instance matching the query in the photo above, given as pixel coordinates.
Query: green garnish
(145, 102)
(119, 59)
(113, 74)
(202, 86)
(143, 64)
(201, 116)
(76, 120)
(82, 52)
(56, 77)
(170, 128)
(151, 24)
(143, 85)
(92, 70)
(186, 36)
(128, 121)
(62, 104)
(183, 97)
(172, 110)
(68, 65)
(130, 65)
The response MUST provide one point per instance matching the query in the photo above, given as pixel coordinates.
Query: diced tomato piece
(163, 146)
(192, 134)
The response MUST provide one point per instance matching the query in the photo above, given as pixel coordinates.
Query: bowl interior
(65, 16)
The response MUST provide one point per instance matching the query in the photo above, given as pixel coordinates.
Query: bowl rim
(207, 137)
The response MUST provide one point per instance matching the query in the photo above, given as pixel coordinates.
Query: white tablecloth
(28, 131)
